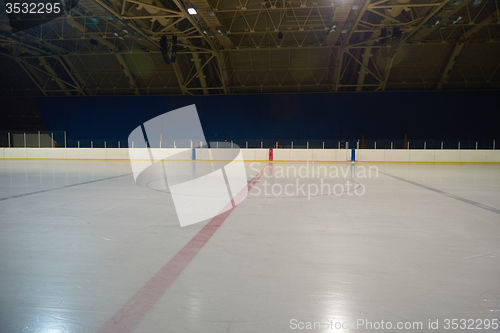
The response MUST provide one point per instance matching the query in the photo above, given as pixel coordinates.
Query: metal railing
(55, 139)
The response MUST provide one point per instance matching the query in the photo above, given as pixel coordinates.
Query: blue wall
(384, 115)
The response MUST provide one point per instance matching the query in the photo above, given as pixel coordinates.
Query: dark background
(384, 115)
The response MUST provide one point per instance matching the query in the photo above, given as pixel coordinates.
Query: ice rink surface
(85, 249)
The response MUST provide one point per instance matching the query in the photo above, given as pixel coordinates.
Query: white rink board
(394, 155)
(261, 154)
(281, 154)
(15, 153)
(324, 155)
(473, 155)
(447, 156)
(492, 156)
(286, 155)
(117, 154)
(77, 153)
(422, 155)
(248, 154)
(36, 153)
(301, 155)
(55, 153)
(369, 155)
(96, 153)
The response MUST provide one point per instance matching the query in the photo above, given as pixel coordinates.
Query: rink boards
(287, 155)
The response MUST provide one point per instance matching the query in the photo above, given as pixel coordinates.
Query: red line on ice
(132, 312)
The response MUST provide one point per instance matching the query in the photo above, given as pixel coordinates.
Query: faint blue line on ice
(60, 188)
(453, 196)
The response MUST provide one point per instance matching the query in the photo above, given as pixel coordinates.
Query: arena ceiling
(112, 47)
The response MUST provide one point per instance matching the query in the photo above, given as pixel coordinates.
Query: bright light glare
(192, 10)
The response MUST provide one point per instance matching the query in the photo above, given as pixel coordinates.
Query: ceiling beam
(390, 63)
(20, 63)
(51, 71)
(457, 50)
(177, 70)
(78, 87)
(423, 33)
(112, 48)
(433, 12)
(206, 38)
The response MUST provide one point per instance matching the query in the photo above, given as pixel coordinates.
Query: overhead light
(222, 32)
(192, 10)
(477, 3)
(433, 24)
(212, 14)
(208, 33)
(455, 21)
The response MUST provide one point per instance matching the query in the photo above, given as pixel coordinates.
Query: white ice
(79, 238)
